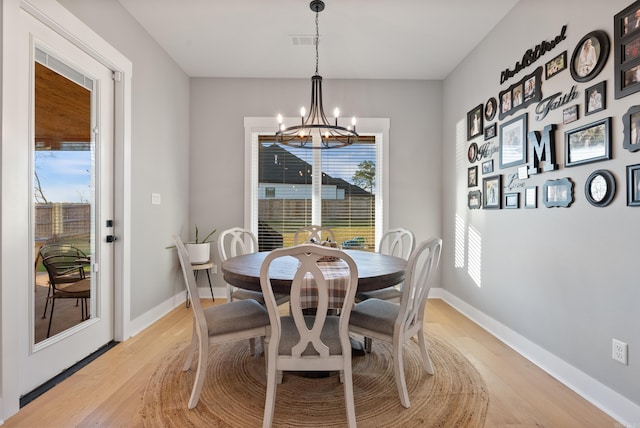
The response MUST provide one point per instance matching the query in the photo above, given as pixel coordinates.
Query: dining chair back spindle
(240, 320)
(398, 323)
(313, 233)
(316, 340)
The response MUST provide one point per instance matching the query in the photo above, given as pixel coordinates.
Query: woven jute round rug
(234, 391)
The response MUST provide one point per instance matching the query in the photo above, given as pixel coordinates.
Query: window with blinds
(290, 195)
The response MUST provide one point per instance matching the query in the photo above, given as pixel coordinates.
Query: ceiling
(363, 39)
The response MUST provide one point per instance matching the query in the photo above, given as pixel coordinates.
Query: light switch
(155, 199)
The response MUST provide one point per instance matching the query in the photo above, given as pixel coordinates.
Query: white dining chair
(313, 233)
(397, 242)
(302, 342)
(235, 242)
(245, 319)
(398, 323)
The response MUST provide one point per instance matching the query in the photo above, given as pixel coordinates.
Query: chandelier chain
(317, 41)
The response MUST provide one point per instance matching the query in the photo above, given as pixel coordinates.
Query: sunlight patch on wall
(459, 244)
(461, 143)
(475, 256)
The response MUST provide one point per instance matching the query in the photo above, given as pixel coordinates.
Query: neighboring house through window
(342, 188)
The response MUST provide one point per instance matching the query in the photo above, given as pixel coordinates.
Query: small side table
(205, 267)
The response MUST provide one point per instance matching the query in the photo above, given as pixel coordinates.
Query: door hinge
(117, 76)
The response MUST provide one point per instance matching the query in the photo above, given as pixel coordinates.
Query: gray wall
(218, 108)
(159, 150)
(564, 278)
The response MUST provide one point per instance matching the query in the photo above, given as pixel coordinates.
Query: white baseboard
(612, 403)
(153, 315)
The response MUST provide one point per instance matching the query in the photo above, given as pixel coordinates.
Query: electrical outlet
(619, 351)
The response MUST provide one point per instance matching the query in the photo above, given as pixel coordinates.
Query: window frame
(255, 126)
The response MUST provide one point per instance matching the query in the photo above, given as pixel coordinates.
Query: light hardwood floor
(107, 392)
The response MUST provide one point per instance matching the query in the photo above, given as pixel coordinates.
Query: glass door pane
(64, 194)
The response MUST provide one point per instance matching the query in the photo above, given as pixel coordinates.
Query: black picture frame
(588, 143)
(595, 98)
(472, 153)
(474, 122)
(570, 114)
(589, 56)
(531, 197)
(490, 132)
(530, 87)
(490, 109)
(513, 142)
(487, 167)
(631, 126)
(492, 190)
(626, 43)
(472, 176)
(626, 21)
(555, 66)
(474, 199)
(600, 188)
(512, 200)
(633, 185)
(630, 49)
(558, 193)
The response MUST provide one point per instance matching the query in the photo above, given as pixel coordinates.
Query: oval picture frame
(600, 188)
(490, 109)
(589, 56)
(472, 153)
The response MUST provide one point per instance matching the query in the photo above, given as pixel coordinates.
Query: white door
(71, 122)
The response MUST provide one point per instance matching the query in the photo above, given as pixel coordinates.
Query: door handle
(112, 238)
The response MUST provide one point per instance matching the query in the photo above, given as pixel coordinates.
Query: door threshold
(35, 393)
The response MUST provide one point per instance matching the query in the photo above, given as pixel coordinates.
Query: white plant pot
(199, 253)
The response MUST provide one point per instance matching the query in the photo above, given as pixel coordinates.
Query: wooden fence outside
(58, 221)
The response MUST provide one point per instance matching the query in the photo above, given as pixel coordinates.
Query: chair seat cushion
(389, 293)
(376, 315)
(79, 289)
(241, 294)
(329, 336)
(235, 316)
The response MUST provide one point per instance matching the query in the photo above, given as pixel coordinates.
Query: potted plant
(199, 249)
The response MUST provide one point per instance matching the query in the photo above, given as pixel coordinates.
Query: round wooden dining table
(375, 271)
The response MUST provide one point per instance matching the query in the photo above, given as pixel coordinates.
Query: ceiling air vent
(303, 40)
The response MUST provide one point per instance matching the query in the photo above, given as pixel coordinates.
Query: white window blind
(283, 197)
(347, 192)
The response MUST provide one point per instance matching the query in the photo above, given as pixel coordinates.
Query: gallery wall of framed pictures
(501, 124)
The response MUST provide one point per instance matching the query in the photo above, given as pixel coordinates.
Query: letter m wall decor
(542, 150)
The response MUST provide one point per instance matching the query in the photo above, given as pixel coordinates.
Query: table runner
(337, 275)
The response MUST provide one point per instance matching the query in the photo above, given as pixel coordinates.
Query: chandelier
(331, 135)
